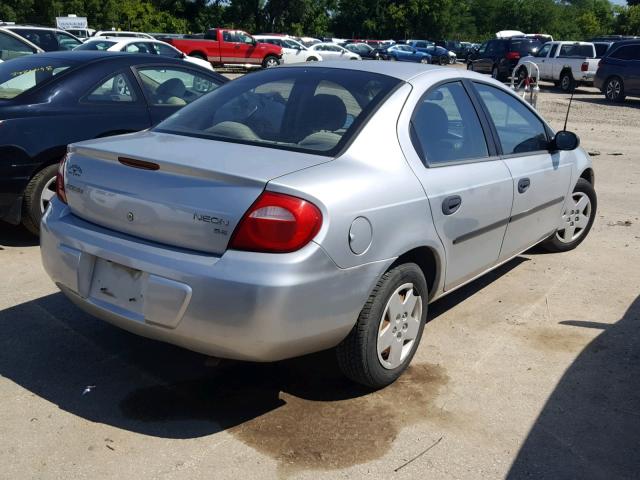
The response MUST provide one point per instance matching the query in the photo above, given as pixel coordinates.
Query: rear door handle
(523, 185)
(451, 204)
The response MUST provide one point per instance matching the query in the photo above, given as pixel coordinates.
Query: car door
(484, 63)
(541, 179)
(113, 105)
(246, 47)
(169, 88)
(542, 61)
(469, 188)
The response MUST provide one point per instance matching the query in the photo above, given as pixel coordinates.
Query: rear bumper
(242, 305)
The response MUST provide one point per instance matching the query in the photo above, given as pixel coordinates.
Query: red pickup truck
(229, 47)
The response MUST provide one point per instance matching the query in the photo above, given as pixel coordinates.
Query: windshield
(22, 74)
(96, 45)
(315, 110)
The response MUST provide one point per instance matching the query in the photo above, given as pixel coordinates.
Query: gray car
(309, 207)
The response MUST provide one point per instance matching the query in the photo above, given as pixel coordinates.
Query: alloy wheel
(613, 89)
(575, 219)
(399, 326)
(48, 192)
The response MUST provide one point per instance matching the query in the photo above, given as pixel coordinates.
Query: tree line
(381, 19)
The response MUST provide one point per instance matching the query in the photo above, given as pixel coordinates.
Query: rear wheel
(270, 61)
(443, 61)
(424, 60)
(614, 90)
(567, 83)
(39, 192)
(576, 220)
(312, 59)
(495, 73)
(387, 334)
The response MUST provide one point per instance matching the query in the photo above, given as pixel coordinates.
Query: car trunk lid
(181, 191)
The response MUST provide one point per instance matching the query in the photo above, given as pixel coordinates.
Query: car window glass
(117, 89)
(45, 39)
(627, 52)
(67, 42)
(491, 48)
(445, 126)
(166, 50)
(169, 86)
(582, 51)
(140, 47)
(519, 130)
(12, 48)
(544, 50)
(601, 49)
(25, 73)
(228, 36)
(286, 108)
(554, 48)
(96, 45)
(244, 38)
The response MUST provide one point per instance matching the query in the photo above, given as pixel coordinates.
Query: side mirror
(564, 140)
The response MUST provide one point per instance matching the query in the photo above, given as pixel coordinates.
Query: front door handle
(451, 204)
(523, 185)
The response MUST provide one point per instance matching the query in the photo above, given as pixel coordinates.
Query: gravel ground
(531, 371)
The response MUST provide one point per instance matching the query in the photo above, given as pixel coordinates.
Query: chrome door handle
(523, 185)
(451, 204)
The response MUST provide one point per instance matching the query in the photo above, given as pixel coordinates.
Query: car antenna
(568, 109)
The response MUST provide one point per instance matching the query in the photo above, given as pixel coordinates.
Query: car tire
(270, 61)
(393, 59)
(567, 83)
(443, 61)
(37, 195)
(571, 236)
(424, 61)
(495, 73)
(312, 59)
(361, 355)
(614, 90)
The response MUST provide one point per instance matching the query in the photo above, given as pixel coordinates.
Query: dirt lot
(532, 371)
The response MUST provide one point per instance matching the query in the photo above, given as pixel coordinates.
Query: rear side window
(445, 126)
(314, 110)
(45, 39)
(173, 86)
(580, 51)
(627, 52)
(519, 130)
(116, 89)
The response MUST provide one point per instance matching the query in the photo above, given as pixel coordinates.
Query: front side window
(116, 89)
(23, 74)
(166, 50)
(45, 39)
(172, 86)
(519, 129)
(290, 108)
(445, 126)
(544, 50)
(12, 48)
(140, 47)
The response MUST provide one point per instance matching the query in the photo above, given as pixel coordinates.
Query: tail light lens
(513, 55)
(60, 178)
(277, 223)
(584, 67)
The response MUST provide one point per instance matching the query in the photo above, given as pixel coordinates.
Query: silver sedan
(310, 207)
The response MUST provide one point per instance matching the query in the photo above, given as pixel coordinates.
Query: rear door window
(519, 129)
(116, 89)
(445, 126)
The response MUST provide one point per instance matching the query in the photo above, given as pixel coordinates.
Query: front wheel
(443, 61)
(386, 336)
(576, 221)
(424, 61)
(312, 59)
(39, 192)
(270, 61)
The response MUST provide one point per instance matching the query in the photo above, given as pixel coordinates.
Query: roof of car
(400, 70)
(84, 56)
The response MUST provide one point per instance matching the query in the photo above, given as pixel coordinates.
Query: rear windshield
(96, 45)
(314, 110)
(580, 51)
(525, 46)
(23, 74)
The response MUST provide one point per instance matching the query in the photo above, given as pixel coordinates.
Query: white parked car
(292, 51)
(567, 64)
(140, 45)
(331, 51)
(114, 33)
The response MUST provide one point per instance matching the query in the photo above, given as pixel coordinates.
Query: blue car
(406, 53)
(50, 100)
(438, 55)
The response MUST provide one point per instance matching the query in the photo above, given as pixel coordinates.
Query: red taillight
(277, 223)
(60, 191)
(584, 67)
(513, 55)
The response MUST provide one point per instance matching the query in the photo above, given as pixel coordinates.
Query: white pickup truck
(567, 64)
